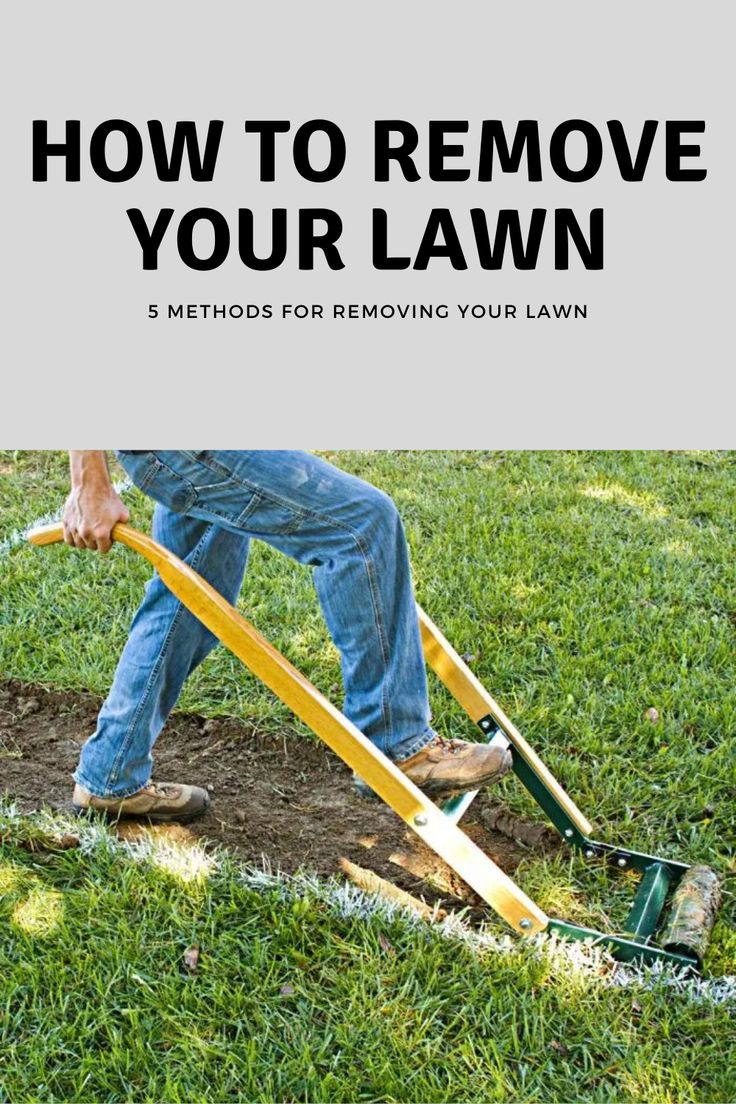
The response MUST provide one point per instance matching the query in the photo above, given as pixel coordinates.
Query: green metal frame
(625, 950)
(649, 901)
(659, 875)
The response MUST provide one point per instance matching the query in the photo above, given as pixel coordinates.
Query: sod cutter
(693, 891)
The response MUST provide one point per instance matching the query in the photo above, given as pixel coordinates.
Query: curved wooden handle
(126, 534)
(46, 534)
(298, 693)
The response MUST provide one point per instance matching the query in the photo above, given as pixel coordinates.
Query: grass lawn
(589, 588)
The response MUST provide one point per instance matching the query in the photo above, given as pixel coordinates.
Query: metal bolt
(525, 924)
(568, 833)
(421, 819)
(589, 854)
(622, 862)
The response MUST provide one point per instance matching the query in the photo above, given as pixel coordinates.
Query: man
(209, 504)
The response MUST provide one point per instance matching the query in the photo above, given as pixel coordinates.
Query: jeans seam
(371, 573)
(149, 473)
(301, 513)
(264, 496)
(370, 568)
(418, 743)
(284, 503)
(114, 772)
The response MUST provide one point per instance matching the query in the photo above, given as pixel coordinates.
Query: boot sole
(88, 811)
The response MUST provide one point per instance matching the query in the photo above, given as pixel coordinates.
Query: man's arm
(93, 507)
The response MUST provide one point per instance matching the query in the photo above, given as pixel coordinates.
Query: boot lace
(162, 789)
(448, 746)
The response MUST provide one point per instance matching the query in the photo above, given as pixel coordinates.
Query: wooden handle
(126, 534)
(470, 693)
(306, 701)
(46, 534)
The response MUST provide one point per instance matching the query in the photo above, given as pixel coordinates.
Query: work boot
(446, 767)
(158, 801)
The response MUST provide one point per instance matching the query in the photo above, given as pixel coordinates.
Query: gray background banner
(651, 365)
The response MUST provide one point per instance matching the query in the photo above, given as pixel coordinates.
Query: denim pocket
(220, 495)
(215, 485)
(161, 482)
(205, 471)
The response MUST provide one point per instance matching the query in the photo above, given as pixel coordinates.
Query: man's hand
(93, 508)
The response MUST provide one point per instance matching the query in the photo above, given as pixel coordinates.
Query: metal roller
(693, 911)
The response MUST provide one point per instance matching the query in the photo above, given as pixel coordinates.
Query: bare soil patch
(279, 798)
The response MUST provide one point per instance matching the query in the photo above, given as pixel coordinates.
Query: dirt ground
(281, 798)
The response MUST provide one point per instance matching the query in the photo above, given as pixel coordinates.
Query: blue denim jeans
(209, 504)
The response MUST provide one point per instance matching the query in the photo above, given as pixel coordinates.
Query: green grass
(293, 999)
(589, 587)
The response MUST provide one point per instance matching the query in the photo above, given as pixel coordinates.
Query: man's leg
(351, 535)
(165, 644)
